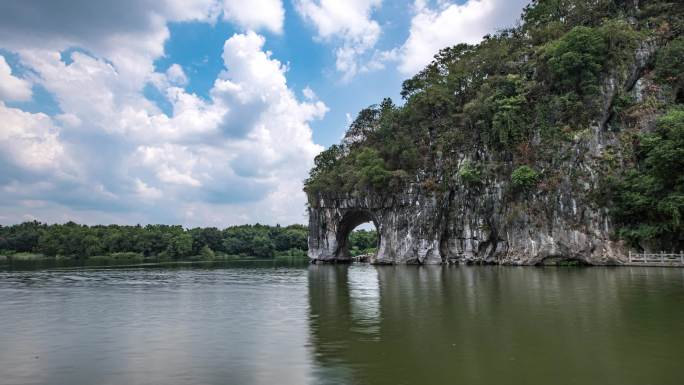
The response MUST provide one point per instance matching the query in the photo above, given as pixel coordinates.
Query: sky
(199, 112)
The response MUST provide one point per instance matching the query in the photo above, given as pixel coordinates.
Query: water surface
(264, 324)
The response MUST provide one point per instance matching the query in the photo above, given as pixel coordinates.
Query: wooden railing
(657, 258)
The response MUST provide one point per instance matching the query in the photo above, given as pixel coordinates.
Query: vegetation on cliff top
(511, 106)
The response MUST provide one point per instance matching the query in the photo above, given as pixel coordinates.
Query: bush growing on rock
(470, 174)
(524, 177)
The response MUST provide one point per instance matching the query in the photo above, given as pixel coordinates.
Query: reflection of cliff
(493, 325)
(329, 322)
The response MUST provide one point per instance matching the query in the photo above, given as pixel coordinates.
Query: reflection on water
(364, 294)
(498, 325)
(250, 324)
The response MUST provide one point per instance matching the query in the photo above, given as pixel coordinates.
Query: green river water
(263, 323)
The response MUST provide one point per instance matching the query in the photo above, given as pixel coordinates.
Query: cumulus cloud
(132, 157)
(347, 23)
(447, 23)
(12, 88)
(29, 141)
(111, 155)
(129, 33)
(268, 14)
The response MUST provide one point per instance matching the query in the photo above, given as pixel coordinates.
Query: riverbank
(33, 260)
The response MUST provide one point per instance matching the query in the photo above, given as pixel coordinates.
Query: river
(259, 323)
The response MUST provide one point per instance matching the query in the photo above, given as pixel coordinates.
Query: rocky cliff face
(558, 140)
(418, 226)
(492, 222)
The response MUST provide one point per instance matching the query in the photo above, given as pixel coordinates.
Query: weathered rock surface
(461, 227)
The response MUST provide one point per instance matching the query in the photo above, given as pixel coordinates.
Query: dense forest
(519, 100)
(163, 242)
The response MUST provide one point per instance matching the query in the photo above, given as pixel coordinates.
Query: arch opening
(358, 237)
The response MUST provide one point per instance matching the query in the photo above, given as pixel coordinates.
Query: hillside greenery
(511, 106)
(649, 199)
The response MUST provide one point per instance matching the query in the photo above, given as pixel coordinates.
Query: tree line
(163, 241)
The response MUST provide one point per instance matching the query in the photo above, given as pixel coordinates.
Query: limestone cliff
(439, 213)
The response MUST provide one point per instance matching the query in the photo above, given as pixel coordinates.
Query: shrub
(470, 174)
(524, 177)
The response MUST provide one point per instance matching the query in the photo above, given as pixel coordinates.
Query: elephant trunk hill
(559, 140)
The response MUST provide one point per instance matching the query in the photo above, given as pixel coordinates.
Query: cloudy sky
(199, 112)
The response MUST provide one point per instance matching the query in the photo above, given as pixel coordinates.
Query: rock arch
(416, 226)
(330, 229)
(405, 223)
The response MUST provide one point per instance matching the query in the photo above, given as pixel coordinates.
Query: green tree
(576, 61)
(363, 240)
(371, 169)
(180, 245)
(207, 253)
(649, 200)
(23, 237)
(262, 247)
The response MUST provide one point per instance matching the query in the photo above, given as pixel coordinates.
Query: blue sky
(199, 112)
(197, 48)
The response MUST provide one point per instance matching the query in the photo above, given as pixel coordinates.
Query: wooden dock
(656, 259)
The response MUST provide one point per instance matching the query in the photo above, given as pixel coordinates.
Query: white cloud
(176, 76)
(69, 120)
(29, 141)
(245, 150)
(350, 24)
(147, 192)
(255, 14)
(129, 33)
(171, 163)
(447, 24)
(347, 18)
(87, 87)
(12, 88)
(111, 155)
(309, 94)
